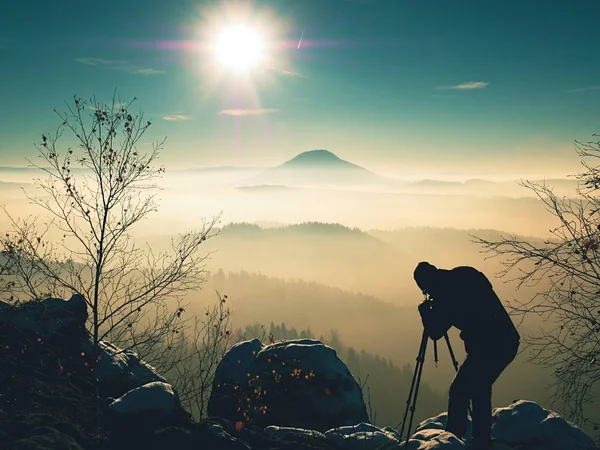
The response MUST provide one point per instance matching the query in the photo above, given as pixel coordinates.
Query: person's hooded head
(425, 276)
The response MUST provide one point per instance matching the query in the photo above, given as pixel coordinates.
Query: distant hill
(318, 168)
(487, 188)
(320, 252)
(264, 188)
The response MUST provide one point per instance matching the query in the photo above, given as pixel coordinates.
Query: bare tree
(566, 270)
(194, 358)
(93, 194)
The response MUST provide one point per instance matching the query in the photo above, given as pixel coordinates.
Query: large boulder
(297, 383)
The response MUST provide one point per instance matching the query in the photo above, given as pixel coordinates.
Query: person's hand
(424, 307)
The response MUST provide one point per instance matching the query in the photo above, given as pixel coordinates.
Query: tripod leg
(454, 361)
(420, 360)
(413, 408)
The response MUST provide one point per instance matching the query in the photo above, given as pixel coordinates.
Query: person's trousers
(473, 382)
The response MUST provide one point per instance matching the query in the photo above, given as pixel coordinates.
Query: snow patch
(363, 436)
(155, 396)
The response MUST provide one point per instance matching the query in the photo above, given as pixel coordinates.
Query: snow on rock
(297, 383)
(526, 422)
(155, 396)
(439, 423)
(523, 424)
(275, 432)
(120, 370)
(214, 436)
(363, 436)
(434, 439)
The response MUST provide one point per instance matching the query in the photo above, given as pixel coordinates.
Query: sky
(397, 86)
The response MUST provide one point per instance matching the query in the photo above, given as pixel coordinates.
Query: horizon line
(411, 176)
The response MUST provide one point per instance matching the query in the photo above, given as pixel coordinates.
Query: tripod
(417, 379)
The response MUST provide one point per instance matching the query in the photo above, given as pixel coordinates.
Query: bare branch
(566, 271)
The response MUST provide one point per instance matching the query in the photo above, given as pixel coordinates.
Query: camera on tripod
(426, 305)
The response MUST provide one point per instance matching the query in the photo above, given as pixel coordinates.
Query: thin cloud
(584, 89)
(289, 73)
(247, 112)
(176, 117)
(467, 86)
(124, 66)
(148, 71)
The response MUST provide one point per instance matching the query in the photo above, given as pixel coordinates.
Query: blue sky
(395, 85)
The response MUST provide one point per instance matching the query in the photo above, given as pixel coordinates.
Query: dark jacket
(464, 298)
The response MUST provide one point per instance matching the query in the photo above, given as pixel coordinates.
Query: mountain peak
(318, 167)
(318, 158)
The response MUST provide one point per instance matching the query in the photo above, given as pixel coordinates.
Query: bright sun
(238, 47)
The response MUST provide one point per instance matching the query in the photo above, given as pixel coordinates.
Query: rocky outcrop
(291, 395)
(56, 329)
(52, 318)
(522, 425)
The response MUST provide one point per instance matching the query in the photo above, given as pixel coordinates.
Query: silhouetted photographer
(464, 298)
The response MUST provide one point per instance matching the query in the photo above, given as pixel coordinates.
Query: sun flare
(239, 47)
